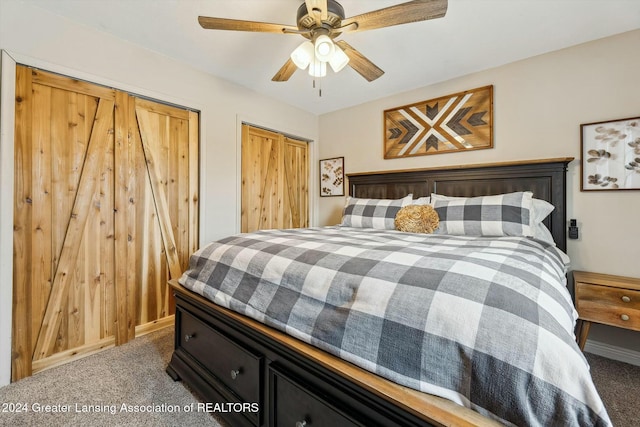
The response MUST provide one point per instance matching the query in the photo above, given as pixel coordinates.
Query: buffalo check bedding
(485, 322)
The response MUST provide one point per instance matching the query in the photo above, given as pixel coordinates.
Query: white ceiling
(474, 35)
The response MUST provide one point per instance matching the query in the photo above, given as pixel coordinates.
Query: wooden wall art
(459, 122)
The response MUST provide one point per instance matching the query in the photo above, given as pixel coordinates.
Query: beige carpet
(134, 375)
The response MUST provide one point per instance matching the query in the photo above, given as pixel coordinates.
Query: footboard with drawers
(252, 375)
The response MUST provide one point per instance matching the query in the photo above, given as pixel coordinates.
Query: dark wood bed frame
(546, 178)
(227, 358)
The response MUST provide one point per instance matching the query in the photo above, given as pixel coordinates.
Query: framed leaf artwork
(610, 155)
(332, 177)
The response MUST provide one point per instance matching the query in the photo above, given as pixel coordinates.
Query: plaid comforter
(484, 322)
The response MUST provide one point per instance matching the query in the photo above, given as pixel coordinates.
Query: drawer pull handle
(235, 373)
(302, 423)
(626, 299)
(187, 337)
(624, 317)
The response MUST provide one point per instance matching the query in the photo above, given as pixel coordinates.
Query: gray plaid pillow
(373, 213)
(499, 215)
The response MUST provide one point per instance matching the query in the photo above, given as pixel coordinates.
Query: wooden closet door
(296, 181)
(64, 269)
(165, 216)
(274, 181)
(90, 230)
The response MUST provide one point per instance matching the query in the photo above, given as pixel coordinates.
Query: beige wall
(539, 104)
(35, 37)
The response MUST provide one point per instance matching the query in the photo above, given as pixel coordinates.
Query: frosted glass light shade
(318, 69)
(338, 60)
(303, 55)
(324, 48)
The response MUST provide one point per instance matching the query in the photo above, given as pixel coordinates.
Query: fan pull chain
(319, 87)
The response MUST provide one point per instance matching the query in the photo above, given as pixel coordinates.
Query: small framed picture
(610, 155)
(332, 177)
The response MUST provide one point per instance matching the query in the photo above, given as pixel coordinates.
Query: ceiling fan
(322, 22)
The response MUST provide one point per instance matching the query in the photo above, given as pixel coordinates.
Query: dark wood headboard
(545, 178)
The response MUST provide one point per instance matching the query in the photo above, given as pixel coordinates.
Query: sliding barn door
(275, 177)
(95, 238)
(165, 217)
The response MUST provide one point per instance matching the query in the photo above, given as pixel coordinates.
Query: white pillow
(541, 232)
(422, 201)
(541, 210)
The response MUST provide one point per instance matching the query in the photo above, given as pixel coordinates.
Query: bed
(359, 324)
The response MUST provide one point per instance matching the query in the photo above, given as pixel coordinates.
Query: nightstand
(607, 299)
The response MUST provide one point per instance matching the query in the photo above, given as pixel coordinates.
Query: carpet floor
(619, 386)
(128, 386)
(132, 375)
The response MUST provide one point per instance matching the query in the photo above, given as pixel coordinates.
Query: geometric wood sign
(459, 122)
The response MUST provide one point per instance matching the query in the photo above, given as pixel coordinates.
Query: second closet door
(275, 176)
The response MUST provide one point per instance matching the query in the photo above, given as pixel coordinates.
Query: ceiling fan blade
(318, 9)
(358, 62)
(285, 72)
(412, 11)
(240, 25)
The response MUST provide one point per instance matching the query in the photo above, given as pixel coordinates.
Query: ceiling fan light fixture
(321, 20)
(338, 60)
(324, 48)
(303, 55)
(318, 69)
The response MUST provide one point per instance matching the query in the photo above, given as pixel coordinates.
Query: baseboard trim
(613, 352)
(155, 325)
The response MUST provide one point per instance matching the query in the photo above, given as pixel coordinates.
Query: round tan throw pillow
(417, 219)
